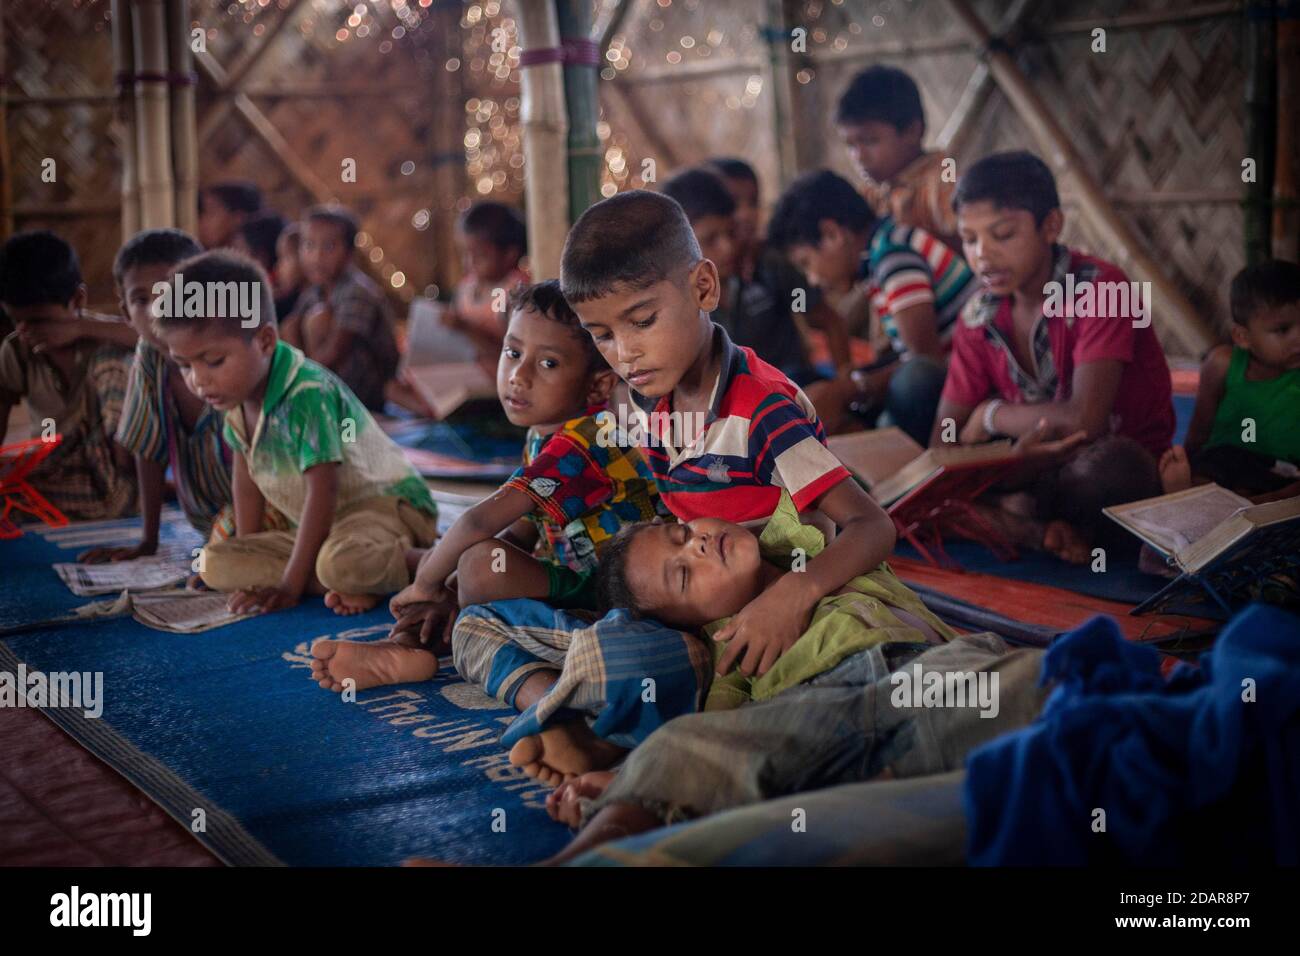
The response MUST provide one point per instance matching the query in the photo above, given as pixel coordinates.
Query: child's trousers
(365, 552)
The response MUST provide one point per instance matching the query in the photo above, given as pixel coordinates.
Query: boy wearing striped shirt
(916, 285)
(725, 433)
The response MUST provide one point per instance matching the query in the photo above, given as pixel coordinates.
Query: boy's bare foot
(563, 751)
(564, 802)
(370, 664)
(1064, 540)
(349, 604)
(1175, 470)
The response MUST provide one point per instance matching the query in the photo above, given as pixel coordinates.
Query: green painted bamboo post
(581, 63)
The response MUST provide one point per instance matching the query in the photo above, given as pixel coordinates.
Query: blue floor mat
(229, 722)
(32, 591)
(481, 450)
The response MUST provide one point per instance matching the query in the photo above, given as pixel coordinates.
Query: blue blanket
(1126, 767)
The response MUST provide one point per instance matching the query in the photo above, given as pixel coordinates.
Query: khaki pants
(365, 552)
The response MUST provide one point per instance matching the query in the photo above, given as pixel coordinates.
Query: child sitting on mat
(301, 442)
(580, 483)
(341, 320)
(1245, 432)
(1058, 342)
(71, 371)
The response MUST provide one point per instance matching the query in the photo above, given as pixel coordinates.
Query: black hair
(701, 192)
(154, 247)
(611, 586)
(1113, 470)
(237, 195)
(810, 198)
(883, 94)
(497, 223)
(1013, 180)
(38, 268)
(546, 299)
(336, 215)
(216, 271)
(729, 167)
(1269, 284)
(632, 240)
(260, 233)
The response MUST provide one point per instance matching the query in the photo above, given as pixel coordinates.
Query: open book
(1195, 527)
(440, 362)
(892, 464)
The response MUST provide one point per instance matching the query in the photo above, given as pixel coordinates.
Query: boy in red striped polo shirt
(724, 432)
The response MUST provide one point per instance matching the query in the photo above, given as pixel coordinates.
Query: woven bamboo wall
(435, 123)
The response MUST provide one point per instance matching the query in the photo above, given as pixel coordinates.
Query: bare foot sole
(564, 802)
(370, 664)
(563, 751)
(1064, 540)
(349, 604)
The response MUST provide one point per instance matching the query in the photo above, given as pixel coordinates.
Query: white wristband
(989, 410)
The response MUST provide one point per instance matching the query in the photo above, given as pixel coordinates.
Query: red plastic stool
(16, 463)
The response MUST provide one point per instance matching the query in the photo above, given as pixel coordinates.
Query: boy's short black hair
(154, 247)
(497, 223)
(632, 239)
(218, 267)
(337, 215)
(701, 192)
(1113, 470)
(1270, 284)
(546, 299)
(611, 585)
(1013, 180)
(883, 94)
(810, 198)
(38, 268)
(729, 167)
(237, 195)
(260, 233)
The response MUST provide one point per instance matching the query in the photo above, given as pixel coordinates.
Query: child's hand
(765, 628)
(261, 600)
(426, 623)
(104, 555)
(415, 594)
(973, 433)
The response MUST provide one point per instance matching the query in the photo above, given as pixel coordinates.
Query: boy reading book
(578, 486)
(71, 372)
(1055, 337)
(302, 442)
(1245, 432)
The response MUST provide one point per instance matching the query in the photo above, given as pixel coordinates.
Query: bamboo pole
(582, 60)
(1182, 320)
(6, 167)
(153, 139)
(545, 129)
(235, 76)
(777, 75)
(607, 26)
(123, 71)
(1261, 82)
(185, 154)
(1286, 180)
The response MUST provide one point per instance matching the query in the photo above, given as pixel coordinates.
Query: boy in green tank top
(1245, 432)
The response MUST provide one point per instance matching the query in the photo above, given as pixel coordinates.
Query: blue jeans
(912, 398)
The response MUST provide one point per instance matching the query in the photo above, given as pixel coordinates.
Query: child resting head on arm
(695, 575)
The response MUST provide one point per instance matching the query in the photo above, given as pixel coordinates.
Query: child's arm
(317, 518)
(485, 520)
(1209, 394)
(825, 319)
(248, 500)
(770, 624)
(1094, 387)
(948, 409)
(149, 474)
(918, 330)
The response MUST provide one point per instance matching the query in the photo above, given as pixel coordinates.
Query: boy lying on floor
(697, 575)
(579, 485)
